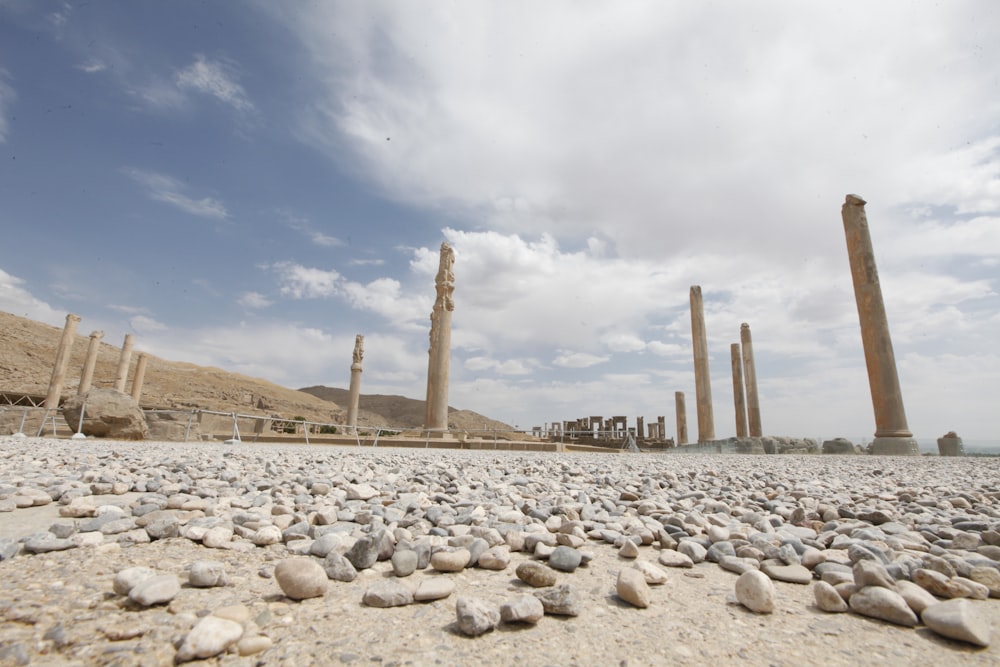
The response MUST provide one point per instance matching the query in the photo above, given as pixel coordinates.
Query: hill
(28, 350)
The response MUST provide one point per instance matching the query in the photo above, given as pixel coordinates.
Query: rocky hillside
(28, 350)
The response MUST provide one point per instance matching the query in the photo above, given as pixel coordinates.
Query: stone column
(892, 435)
(140, 376)
(62, 360)
(750, 377)
(123, 361)
(439, 354)
(88, 365)
(738, 399)
(355, 391)
(640, 427)
(702, 380)
(682, 420)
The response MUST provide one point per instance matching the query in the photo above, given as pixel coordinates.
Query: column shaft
(139, 378)
(738, 400)
(887, 399)
(750, 377)
(702, 379)
(682, 425)
(123, 361)
(87, 376)
(62, 360)
(354, 397)
(439, 353)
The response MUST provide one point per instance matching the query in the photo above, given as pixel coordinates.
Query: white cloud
(567, 359)
(302, 282)
(216, 78)
(254, 300)
(304, 227)
(92, 66)
(7, 98)
(143, 324)
(16, 299)
(168, 190)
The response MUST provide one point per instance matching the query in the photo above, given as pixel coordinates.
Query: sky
(250, 185)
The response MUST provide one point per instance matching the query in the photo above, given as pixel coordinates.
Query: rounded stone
(301, 578)
(450, 560)
(565, 559)
(159, 589)
(524, 609)
(535, 574)
(404, 562)
(475, 616)
(883, 604)
(207, 574)
(211, 636)
(827, 598)
(755, 591)
(127, 579)
(632, 588)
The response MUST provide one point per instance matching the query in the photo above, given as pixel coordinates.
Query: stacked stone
(891, 544)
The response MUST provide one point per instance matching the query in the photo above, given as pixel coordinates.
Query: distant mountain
(382, 410)
(28, 351)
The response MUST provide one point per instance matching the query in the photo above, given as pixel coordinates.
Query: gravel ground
(59, 606)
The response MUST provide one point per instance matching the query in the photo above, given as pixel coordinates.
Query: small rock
(301, 578)
(495, 558)
(917, 598)
(434, 588)
(450, 560)
(338, 568)
(755, 591)
(535, 574)
(158, 589)
(524, 609)
(561, 600)
(957, 619)
(126, 579)
(211, 636)
(988, 577)
(388, 593)
(653, 575)
(872, 573)
(565, 559)
(207, 574)
(476, 617)
(793, 574)
(632, 588)
(266, 536)
(629, 549)
(692, 550)
(828, 599)
(253, 645)
(404, 562)
(363, 553)
(672, 558)
(883, 604)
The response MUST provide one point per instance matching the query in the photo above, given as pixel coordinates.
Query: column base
(894, 446)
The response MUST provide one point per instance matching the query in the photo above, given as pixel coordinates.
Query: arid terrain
(28, 350)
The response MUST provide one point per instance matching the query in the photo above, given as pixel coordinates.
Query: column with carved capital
(439, 353)
(354, 398)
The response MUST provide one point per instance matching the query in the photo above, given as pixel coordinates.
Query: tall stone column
(62, 361)
(93, 347)
(682, 421)
(354, 398)
(702, 380)
(123, 361)
(750, 377)
(439, 354)
(738, 400)
(892, 435)
(139, 378)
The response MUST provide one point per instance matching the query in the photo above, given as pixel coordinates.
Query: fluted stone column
(702, 380)
(682, 420)
(87, 376)
(750, 378)
(354, 398)
(892, 435)
(123, 361)
(739, 401)
(62, 361)
(439, 354)
(139, 377)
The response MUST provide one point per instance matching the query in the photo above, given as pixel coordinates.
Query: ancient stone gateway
(439, 353)
(892, 435)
